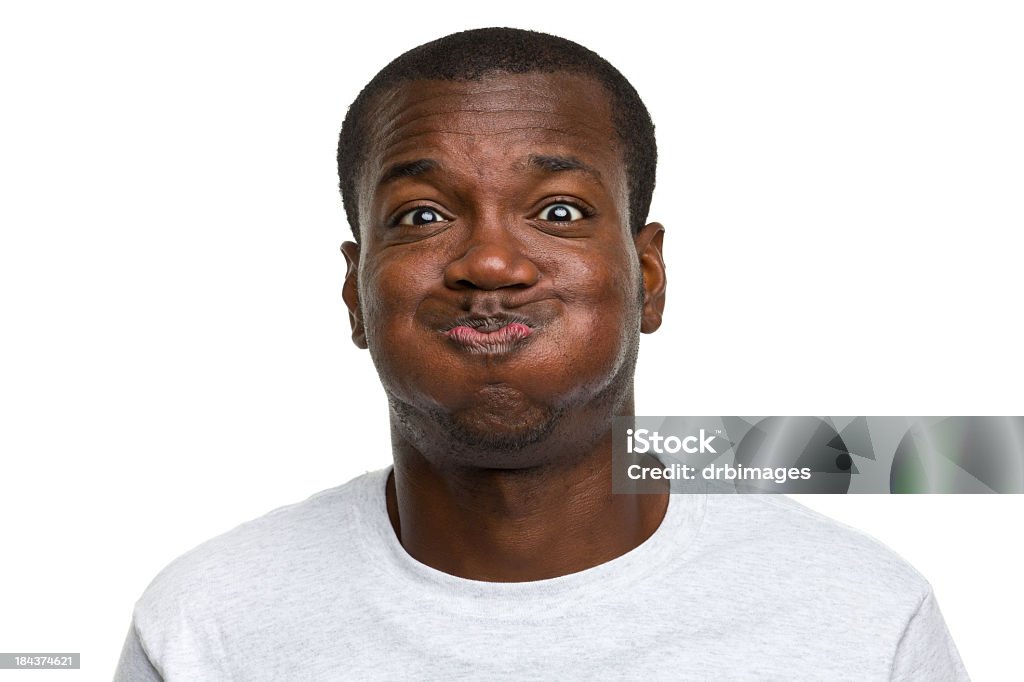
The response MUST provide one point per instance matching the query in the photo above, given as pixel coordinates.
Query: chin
(502, 436)
(499, 429)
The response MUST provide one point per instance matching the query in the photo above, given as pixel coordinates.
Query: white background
(841, 185)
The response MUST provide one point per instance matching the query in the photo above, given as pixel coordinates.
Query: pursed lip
(496, 333)
(488, 323)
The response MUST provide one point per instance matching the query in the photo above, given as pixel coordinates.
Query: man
(497, 183)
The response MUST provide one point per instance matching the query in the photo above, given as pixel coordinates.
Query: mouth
(490, 334)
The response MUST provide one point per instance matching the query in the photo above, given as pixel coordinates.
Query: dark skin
(501, 295)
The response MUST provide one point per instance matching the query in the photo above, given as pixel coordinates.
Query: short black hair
(475, 54)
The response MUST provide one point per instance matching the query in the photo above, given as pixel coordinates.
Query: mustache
(489, 322)
(488, 314)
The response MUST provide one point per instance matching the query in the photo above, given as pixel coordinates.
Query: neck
(516, 525)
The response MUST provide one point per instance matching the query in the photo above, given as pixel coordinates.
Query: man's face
(500, 291)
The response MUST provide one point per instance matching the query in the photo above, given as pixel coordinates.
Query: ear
(648, 248)
(350, 293)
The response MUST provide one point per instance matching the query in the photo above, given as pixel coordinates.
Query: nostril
(486, 286)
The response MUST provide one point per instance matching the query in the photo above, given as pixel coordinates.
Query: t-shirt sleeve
(926, 651)
(134, 665)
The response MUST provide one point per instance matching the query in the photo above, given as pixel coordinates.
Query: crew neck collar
(538, 598)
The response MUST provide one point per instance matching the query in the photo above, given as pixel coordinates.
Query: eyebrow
(557, 164)
(409, 169)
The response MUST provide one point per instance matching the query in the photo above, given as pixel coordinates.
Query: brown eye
(560, 213)
(421, 216)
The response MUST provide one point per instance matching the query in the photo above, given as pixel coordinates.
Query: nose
(492, 260)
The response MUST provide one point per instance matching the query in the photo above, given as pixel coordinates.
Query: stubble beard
(504, 431)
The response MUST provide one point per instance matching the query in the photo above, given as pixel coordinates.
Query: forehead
(576, 99)
(492, 126)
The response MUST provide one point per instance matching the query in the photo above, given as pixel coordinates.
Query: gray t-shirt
(729, 587)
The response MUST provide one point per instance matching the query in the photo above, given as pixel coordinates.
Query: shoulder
(810, 557)
(272, 554)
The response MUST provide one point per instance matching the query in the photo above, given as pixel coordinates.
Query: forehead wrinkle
(403, 112)
(395, 127)
(388, 147)
(407, 100)
(395, 98)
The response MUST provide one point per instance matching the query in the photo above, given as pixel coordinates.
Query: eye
(420, 216)
(560, 213)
